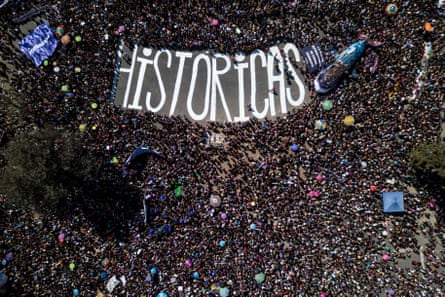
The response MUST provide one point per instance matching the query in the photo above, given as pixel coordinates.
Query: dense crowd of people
(335, 243)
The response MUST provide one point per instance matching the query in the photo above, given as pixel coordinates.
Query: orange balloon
(65, 39)
(428, 27)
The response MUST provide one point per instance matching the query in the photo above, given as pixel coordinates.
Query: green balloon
(64, 88)
(78, 38)
(45, 63)
(259, 278)
(72, 266)
(327, 105)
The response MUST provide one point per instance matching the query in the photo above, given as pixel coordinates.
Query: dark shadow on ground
(110, 206)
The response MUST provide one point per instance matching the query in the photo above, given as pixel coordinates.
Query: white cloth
(112, 283)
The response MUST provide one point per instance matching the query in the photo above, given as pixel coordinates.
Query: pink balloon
(188, 262)
(385, 257)
(314, 194)
(323, 295)
(319, 177)
(61, 237)
(214, 22)
(223, 216)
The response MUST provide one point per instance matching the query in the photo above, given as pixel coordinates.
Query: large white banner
(206, 86)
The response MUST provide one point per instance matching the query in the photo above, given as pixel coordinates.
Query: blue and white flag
(40, 44)
(313, 58)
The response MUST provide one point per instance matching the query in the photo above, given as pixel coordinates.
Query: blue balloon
(252, 226)
(222, 243)
(195, 275)
(76, 292)
(224, 292)
(294, 147)
(148, 278)
(103, 274)
(162, 294)
(154, 270)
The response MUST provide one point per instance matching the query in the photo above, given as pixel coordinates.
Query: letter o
(193, 115)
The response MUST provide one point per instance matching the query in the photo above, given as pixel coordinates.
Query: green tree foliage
(43, 166)
(429, 158)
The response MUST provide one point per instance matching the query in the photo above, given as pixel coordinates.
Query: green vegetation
(43, 166)
(429, 159)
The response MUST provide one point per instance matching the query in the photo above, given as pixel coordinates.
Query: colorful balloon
(349, 120)
(61, 237)
(260, 277)
(391, 9)
(294, 147)
(82, 127)
(224, 292)
(428, 27)
(215, 200)
(321, 124)
(66, 39)
(327, 105)
(9, 256)
(60, 31)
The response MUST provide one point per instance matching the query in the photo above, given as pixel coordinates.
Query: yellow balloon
(82, 127)
(349, 120)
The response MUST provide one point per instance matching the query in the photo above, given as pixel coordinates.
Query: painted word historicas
(206, 86)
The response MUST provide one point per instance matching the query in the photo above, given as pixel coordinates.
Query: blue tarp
(138, 158)
(40, 44)
(141, 153)
(393, 202)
